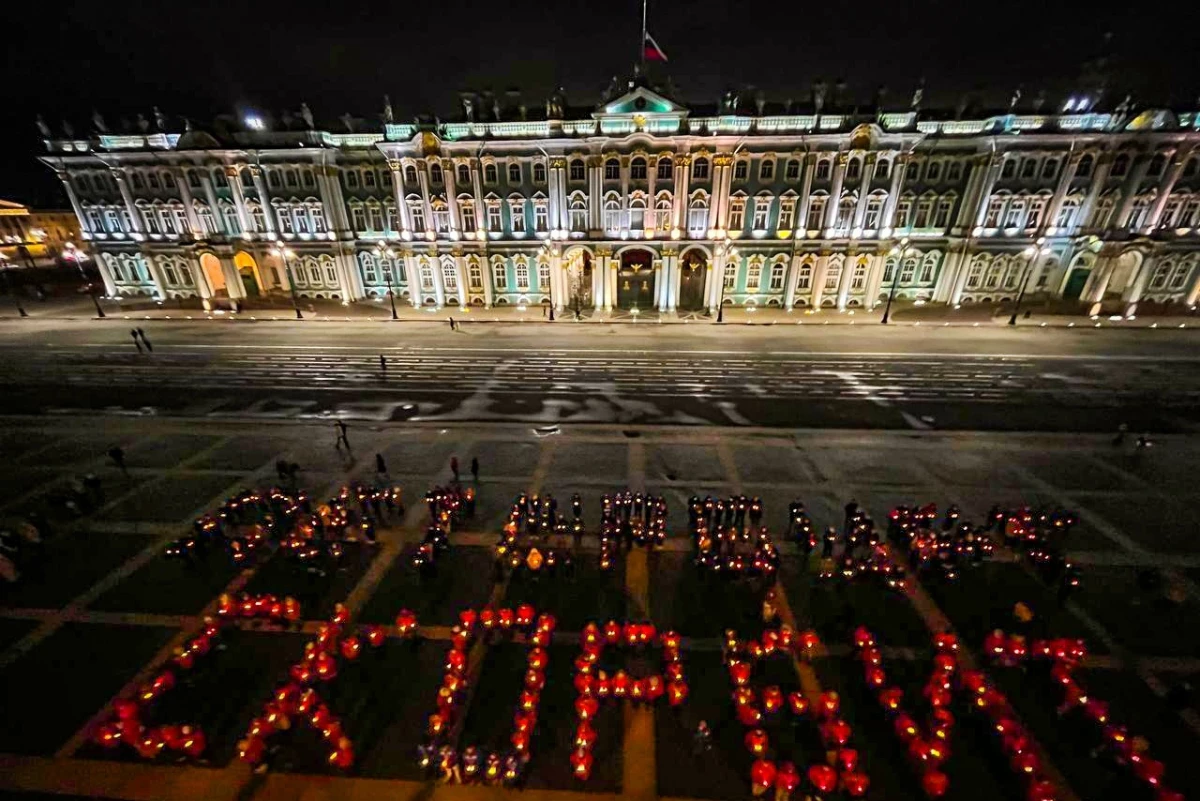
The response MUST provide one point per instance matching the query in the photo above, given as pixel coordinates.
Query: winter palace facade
(642, 203)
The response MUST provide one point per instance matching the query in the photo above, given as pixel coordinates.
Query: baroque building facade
(642, 203)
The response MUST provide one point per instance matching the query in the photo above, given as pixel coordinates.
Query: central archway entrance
(247, 269)
(1124, 273)
(213, 273)
(635, 281)
(579, 280)
(693, 267)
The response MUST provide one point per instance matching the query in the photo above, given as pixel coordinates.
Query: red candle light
(828, 703)
(772, 700)
(847, 759)
(525, 613)
(762, 773)
(856, 784)
(739, 672)
(677, 692)
(934, 783)
(798, 703)
(406, 621)
(581, 763)
(787, 778)
(823, 778)
(350, 648)
(756, 742)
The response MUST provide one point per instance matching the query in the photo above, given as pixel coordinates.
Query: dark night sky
(204, 57)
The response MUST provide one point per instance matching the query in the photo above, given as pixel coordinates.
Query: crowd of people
(1041, 536)
(729, 539)
(526, 547)
(448, 506)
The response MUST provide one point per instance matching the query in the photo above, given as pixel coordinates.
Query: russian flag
(651, 50)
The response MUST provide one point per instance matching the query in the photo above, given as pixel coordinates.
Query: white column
(818, 285)
(558, 194)
(610, 291)
(557, 288)
(1099, 179)
(449, 178)
(683, 172)
(155, 274)
(264, 200)
(843, 294)
(423, 182)
(189, 205)
(899, 165)
(84, 224)
(664, 279)
(233, 281)
(398, 197)
(720, 200)
(413, 267)
(200, 280)
(210, 194)
(460, 269)
(1165, 187)
(985, 190)
(234, 177)
(810, 163)
(1060, 193)
(676, 278)
(1129, 190)
(110, 286)
(135, 218)
(964, 220)
(716, 278)
(953, 276)
(439, 282)
(864, 189)
(595, 194)
(835, 192)
(789, 291)
(600, 279)
(874, 280)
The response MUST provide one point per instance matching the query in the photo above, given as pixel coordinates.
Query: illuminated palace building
(644, 203)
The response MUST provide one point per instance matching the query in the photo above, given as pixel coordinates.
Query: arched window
(292, 179)
(1157, 165)
(543, 274)
(1120, 165)
(463, 175)
(1086, 162)
(514, 172)
(858, 279)
(499, 274)
(612, 214)
(435, 173)
(766, 170)
(637, 169)
(491, 174)
(539, 172)
(577, 170)
(578, 212)
(351, 179)
(698, 214)
(662, 212)
(995, 274)
(874, 212)
(824, 168)
(833, 275)
(637, 214)
(1012, 275)
(1193, 165)
(449, 275)
(845, 213)
(804, 277)
(854, 169)
(792, 171)
(1009, 170)
(975, 275)
(776, 280)
(731, 271)
(369, 178)
(272, 178)
(612, 170)
(410, 175)
(309, 180)
(666, 168)
(700, 169)
(928, 265)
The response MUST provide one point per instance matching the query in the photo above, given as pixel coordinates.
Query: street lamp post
(284, 253)
(76, 255)
(898, 252)
(1032, 251)
(389, 254)
(8, 285)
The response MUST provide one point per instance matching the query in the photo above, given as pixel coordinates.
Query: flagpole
(642, 41)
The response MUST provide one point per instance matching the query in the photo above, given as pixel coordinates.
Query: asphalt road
(785, 376)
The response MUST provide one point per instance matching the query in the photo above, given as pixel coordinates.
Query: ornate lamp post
(387, 253)
(898, 252)
(285, 254)
(8, 285)
(76, 255)
(1032, 252)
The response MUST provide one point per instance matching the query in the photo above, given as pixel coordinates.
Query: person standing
(117, 454)
(454, 466)
(475, 468)
(341, 438)
(133, 333)
(382, 364)
(452, 328)
(380, 465)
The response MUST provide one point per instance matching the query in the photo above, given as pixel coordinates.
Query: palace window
(232, 226)
(1067, 214)
(499, 276)
(522, 272)
(766, 170)
(666, 169)
(467, 213)
(330, 273)
(416, 212)
(882, 168)
(787, 213)
(152, 180)
(934, 171)
(753, 276)
(475, 275)
(1120, 165)
(823, 169)
(1191, 213)
(637, 214)
(874, 213)
(95, 222)
(942, 218)
(426, 277)
(994, 213)
(762, 210)
(369, 178)
(1009, 170)
(256, 216)
(1084, 170)
(1103, 212)
(370, 275)
(804, 277)
(1012, 275)
(845, 215)
(907, 270)
(1170, 212)
(954, 170)
(1138, 214)
(541, 218)
(816, 212)
(1190, 169)
(539, 172)
(308, 179)
(1180, 274)
(737, 214)
(410, 175)
(1037, 207)
(351, 179)
(516, 212)
(854, 169)
(579, 214)
(858, 278)
(490, 174)
(375, 218)
(1049, 169)
(1157, 165)
(514, 173)
(300, 220)
(924, 212)
(493, 218)
(741, 169)
(1029, 168)
(662, 213)
(731, 271)
(208, 223)
(792, 171)
(577, 170)
(904, 213)
(136, 178)
(776, 276)
(464, 174)
(543, 271)
(449, 276)
(927, 266)
(833, 276)
(1015, 215)
(637, 169)
(292, 179)
(612, 215)
(889, 270)
(700, 169)
(441, 218)
(698, 215)
(612, 170)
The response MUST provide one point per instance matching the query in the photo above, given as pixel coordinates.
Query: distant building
(643, 202)
(29, 238)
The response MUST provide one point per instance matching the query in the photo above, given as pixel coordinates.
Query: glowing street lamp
(385, 252)
(76, 255)
(898, 252)
(1031, 252)
(8, 285)
(285, 253)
